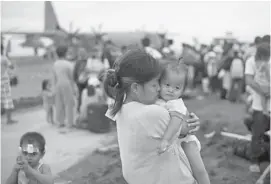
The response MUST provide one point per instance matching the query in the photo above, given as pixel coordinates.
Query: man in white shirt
(260, 121)
(251, 51)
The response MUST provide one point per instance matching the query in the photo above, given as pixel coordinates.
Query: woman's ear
(134, 87)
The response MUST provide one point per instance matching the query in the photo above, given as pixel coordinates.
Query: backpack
(237, 68)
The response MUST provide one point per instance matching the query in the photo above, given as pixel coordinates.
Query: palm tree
(98, 34)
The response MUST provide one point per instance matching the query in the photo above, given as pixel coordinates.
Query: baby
(172, 84)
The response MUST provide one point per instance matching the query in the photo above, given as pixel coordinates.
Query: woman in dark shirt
(79, 69)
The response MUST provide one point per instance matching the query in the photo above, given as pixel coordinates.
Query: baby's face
(172, 85)
(31, 153)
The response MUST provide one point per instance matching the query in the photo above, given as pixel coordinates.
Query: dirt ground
(223, 167)
(30, 71)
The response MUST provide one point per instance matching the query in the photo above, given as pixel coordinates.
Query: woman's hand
(193, 122)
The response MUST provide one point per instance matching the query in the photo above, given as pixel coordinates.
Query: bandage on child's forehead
(29, 148)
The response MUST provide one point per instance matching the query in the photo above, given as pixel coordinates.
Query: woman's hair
(31, 137)
(134, 66)
(44, 84)
(263, 52)
(177, 67)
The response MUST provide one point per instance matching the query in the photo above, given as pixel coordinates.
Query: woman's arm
(72, 82)
(254, 85)
(198, 169)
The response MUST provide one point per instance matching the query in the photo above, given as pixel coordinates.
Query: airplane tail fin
(51, 23)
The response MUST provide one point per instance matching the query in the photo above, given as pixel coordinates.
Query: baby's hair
(44, 84)
(175, 66)
(31, 137)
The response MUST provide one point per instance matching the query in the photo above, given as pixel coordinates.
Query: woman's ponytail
(114, 89)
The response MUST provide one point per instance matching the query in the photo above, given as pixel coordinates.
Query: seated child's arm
(198, 169)
(45, 177)
(13, 178)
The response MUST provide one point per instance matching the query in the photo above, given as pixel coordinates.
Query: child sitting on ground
(48, 98)
(172, 85)
(29, 167)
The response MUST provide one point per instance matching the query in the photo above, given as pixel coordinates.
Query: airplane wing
(39, 34)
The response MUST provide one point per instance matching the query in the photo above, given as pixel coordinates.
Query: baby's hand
(17, 167)
(163, 147)
(20, 160)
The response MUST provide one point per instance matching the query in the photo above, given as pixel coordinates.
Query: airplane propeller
(98, 34)
(71, 36)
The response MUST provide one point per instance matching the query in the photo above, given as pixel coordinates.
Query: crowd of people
(157, 145)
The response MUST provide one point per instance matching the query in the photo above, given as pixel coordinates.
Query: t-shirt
(95, 65)
(253, 69)
(140, 129)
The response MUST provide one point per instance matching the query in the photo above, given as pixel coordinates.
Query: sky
(203, 20)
